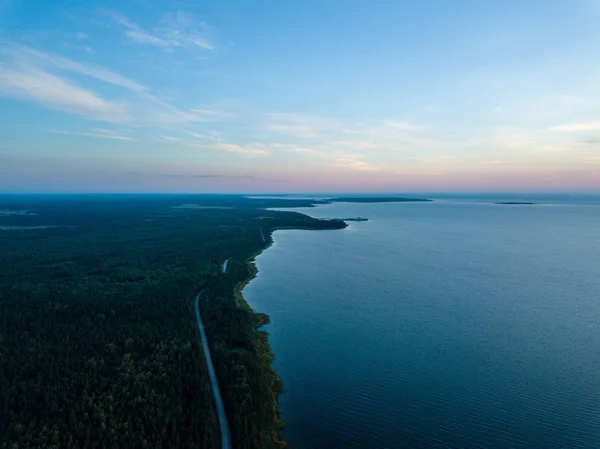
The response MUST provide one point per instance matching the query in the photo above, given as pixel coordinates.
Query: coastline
(262, 337)
(262, 319)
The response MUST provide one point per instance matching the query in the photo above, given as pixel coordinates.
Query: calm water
(446, 324)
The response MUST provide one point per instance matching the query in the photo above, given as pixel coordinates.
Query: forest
(98, 341)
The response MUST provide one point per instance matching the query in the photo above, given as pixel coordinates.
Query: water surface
(458, 323)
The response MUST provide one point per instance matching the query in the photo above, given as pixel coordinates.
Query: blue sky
(274, 96)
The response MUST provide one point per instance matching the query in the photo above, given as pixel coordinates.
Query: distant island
(381, 199)
(354, 219)
(514, 203)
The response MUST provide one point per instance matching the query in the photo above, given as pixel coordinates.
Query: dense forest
(378, 199)
(98, 341)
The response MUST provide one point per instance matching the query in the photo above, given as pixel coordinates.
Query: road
(224, 426)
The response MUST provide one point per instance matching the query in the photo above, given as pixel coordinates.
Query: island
(514, 203)
(355, 219)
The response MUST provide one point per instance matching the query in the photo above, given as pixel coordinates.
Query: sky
(223, 96)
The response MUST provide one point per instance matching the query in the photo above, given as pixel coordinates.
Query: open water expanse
(458, 323)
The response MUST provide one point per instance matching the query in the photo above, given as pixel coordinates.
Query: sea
(458, 323)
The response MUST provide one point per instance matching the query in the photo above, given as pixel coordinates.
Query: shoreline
(262, 319)
(265, 351)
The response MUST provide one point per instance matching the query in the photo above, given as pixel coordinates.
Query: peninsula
(380, 199)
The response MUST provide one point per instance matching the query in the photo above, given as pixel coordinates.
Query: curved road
(262, 234)
(225, 435)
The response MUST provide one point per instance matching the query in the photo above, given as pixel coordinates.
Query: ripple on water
(437, 326)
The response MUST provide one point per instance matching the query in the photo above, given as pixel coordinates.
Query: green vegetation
(355, 219)
(98, 340)
(514, 203)
(379, 199)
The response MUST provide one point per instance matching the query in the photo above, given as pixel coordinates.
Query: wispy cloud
(101, 134)
(352, 145)
(253, 149)
(181, 175)
(169, 139)
(56, 93)
(354, 164)
(338, 159)
(298, 125)
(548, 149)
(207, 176)
(167, 114)
(402, 126)
(209, 115)
(81, 35)
(577, 127)
(41, 59)
(355, 144)
(83, 48)
(493, 162)
(382, 136)
(144, 108)
(174, 30)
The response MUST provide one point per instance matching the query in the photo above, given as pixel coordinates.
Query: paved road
(225, 435)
